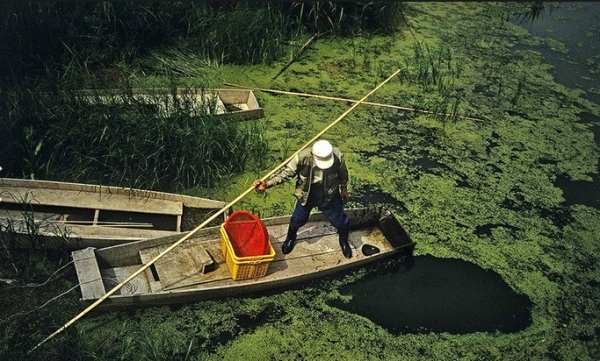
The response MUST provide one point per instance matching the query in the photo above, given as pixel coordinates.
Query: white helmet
(322, 152)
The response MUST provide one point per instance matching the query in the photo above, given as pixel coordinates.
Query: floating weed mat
(161, 141)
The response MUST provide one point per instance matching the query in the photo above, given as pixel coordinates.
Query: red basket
(247, 234)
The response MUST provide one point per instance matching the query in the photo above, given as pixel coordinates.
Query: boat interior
(81, 210)
(198, 263)
(235, 103)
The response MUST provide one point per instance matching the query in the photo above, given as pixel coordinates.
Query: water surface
(577, 26)
(576, 65)
(439, 295)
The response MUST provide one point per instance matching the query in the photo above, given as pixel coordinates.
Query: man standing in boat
(322, 182)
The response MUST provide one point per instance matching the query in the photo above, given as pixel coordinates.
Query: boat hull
(48, 214)
(316, 255)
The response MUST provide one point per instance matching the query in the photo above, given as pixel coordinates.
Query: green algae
(480, 184)
(500, 171)
(536, 136)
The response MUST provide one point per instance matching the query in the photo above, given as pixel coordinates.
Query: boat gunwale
(250, 98)
(229, 290)
(187, 201)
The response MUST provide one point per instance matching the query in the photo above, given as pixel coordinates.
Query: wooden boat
(178, 276)
(51, 214)
(233, 104)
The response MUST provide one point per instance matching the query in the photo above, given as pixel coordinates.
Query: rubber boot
(344, 245)
(290, 241)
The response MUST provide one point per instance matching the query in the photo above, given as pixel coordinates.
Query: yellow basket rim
(248, 259)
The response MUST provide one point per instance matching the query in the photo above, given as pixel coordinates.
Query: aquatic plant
(530, 11)
(496, 176)
(437, 73)
(347, 17)
(429, 67)
(163, 141)
(60, 38)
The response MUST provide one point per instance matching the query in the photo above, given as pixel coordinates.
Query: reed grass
(55, 38)
(437, 73)
(124, 140)
(345, 17)
(530, 11)
(432, 67)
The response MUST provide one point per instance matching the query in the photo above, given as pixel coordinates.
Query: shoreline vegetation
(483, 192)
(55, 48)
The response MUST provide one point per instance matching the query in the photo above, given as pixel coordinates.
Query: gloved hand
(260, 185)
(344, 196)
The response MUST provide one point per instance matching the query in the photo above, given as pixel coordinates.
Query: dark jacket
(335, 179)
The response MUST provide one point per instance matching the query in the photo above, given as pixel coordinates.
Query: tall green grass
(345, 17)
(51, 38)
(436, 72)
(123, 140)
(50, 45)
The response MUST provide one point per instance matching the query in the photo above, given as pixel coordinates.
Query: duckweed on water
(496, 172)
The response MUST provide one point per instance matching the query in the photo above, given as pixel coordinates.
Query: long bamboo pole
(348, 100)
(209, 219)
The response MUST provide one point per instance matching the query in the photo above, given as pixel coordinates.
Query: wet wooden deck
(317, 249)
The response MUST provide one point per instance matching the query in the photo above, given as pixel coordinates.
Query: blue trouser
(333, 210)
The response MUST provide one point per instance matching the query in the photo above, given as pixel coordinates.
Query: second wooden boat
(182, 275)
(48, 214)
(231, 104)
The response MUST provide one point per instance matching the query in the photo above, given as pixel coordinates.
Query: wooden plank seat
(88, 273)
(189, 259)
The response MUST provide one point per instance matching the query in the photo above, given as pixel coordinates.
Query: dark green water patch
(492, 142)
(560, 215)
(580, 192)
(594, 122)
(577, 26)
(427, 163)
(438, 295)
(384, 150)
(486, 229)
(367, 194)
(596, 130)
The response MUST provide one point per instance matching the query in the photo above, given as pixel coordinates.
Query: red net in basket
(247, 234)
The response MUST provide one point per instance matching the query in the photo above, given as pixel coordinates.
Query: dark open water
(436, 294)
(577, 25)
